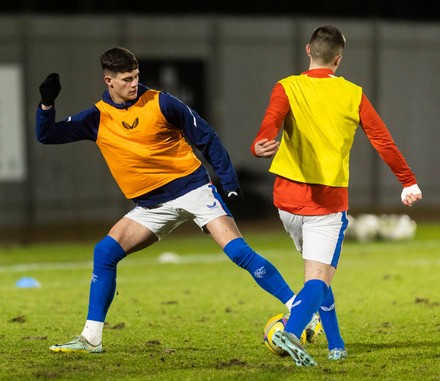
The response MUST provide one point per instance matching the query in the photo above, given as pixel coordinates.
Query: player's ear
(108, 80)
(308, 50)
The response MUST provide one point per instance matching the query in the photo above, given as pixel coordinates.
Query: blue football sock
(107, 254)
(329, 321)
(263, 272)
(306, 303)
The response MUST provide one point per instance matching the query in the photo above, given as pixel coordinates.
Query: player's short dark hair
(118, 60)
(326, 43)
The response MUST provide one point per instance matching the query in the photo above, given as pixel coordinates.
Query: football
(274, 324)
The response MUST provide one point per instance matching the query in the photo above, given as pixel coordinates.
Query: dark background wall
(390, 9)
(226, 59)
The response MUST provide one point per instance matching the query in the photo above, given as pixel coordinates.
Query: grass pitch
(197, 316)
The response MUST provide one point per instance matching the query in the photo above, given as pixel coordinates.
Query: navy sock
(263, 272)
(329, 321)
(306, 303)
(107, 254)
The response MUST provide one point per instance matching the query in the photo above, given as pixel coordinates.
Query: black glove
(49, 89)
(235, 195)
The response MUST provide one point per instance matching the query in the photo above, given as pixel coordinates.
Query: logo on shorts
(212, 206)
(259, 273)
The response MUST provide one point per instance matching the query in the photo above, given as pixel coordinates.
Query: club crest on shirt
(131, 126)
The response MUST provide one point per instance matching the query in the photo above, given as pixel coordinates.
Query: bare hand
(266, 148)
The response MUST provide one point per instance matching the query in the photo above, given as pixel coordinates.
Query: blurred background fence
(225, 67)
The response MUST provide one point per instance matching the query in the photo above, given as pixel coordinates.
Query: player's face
(123, 87)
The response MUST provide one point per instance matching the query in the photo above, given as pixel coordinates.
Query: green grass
(202, 319)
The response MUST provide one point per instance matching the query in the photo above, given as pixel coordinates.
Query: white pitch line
(178, 259)
(211, 258)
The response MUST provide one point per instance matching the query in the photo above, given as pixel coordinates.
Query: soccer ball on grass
(274, 324)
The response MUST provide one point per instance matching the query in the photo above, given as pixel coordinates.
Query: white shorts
(318, 238)
(201, 205)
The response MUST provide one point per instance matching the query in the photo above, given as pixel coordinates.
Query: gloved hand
(411, 194)
(49, 89)
(235, 195)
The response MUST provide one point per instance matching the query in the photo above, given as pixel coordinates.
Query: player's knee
(239, 252)
(107, 253)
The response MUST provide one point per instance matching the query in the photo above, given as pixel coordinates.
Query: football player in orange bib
(143, 136)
